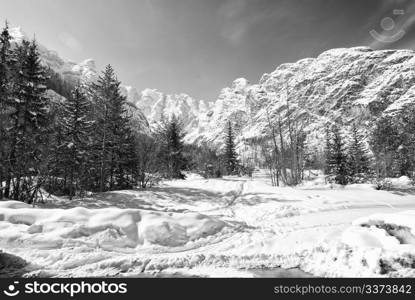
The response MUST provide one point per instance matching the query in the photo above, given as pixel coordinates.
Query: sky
(200, 46)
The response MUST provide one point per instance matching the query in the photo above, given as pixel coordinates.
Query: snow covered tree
(337, 158)
(359, 163)
(102, 92)
(113, 138)
(122, 145)
(29, 128)
(75, 132)
(230, 155)
(170, 136)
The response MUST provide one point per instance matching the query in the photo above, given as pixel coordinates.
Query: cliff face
(340, 85)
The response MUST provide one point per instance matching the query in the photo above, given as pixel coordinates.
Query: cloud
(70, 41)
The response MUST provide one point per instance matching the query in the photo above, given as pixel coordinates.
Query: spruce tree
(338, 158)
(172, 148)
(113, 136)
(358, 156)
(76, 129)
(231, 158)
(29, 129)
(102, 92)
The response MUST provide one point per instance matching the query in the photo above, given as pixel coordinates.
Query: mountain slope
(340, 85)
(85, 71)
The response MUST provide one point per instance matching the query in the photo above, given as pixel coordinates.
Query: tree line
(350, 154)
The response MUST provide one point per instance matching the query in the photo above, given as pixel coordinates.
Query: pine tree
(102, 92)
(76, 129)
(231, 158)
(113, 138)
(29, 129)
(122, 141)
(336, 157)
(172, 148)
(358, 154)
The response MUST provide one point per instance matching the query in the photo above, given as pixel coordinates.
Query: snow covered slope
(339, 85)
(342, 85)
(158, 106)
(83, 71)
(201, 226)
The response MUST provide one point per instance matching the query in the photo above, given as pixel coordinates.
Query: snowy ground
(218, 227)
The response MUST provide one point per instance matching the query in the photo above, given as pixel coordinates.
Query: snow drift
(107, 227)
(376, 245)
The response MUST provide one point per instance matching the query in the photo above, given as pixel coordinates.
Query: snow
(216, 227)
(375, 245)
(112, 227)
(403, 182)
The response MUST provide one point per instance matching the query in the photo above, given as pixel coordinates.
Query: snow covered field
(218, 227)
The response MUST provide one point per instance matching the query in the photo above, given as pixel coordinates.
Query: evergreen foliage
(170, 137)
(359, 162)
(230, 155)
(337, 158)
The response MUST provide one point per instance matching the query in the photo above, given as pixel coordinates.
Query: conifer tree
(102, 92)
(231, 158)
(76, 129)
(172, 147)
(113, 135)
(338, 158)
(30, 122)
(358, 156)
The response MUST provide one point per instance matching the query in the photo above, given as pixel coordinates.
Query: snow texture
(216, 227)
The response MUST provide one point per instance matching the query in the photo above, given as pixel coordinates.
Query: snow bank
(402, 182)
(376, 245)
(13, 204)
(397, 226)
(107, 227)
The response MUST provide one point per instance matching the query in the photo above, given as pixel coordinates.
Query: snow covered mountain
(342, 85)
(84, 71)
